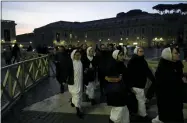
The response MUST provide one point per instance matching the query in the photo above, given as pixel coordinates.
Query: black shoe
(79, 113)
(72, 105)
(93, 102)
(110, 121)
(87, 98)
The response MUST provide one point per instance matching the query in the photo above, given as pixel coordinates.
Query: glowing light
(126, 38)
(109, 39)
(138, 38)
(135, 43)
(14, 41)
(156, 38)
(121, 38)
(85, 40)
(121, 44)
(55, 42)
(12, 45)
(30, 42)
(20, 45)
(2, 41)
(161, 39)
(100, 40)
(77, 41)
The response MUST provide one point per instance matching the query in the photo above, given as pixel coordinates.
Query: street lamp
(30, 42)
(109, 39)
(121, 39)
(99, 39)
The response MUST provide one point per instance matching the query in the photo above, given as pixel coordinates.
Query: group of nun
(120, 81)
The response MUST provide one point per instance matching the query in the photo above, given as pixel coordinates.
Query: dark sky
(30, 15)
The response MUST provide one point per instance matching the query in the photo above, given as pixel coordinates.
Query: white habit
(76, 89)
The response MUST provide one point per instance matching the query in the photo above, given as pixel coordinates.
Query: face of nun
(140, 52)
(175, 55)
(77, 56)
(91, 52)
(121, 56)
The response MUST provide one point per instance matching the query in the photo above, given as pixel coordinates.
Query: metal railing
(16, 79)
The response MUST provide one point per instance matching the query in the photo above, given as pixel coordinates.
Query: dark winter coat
(139, 72)
(169, 91)
(89, 73)
(116, 93)
(62, 62)
(102, 59)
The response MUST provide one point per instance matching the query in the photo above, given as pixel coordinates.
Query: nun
(139, 72)
(89, 68)
(169, 87)
(76, 80)
(117, 88)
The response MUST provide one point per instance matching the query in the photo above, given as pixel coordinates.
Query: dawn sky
(30, 15)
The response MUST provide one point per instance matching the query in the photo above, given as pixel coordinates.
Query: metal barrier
(16, 79)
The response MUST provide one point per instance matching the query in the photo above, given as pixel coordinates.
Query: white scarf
(89, 57)
(115, 54)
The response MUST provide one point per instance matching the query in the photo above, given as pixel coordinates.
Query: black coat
(139, 72)
(116, 93)
(62, 62)
(169, 91)
(89, 73)
(103, 57)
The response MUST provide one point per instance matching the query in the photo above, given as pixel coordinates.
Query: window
(121, 33)
(65, 35)
(143, 30)
(134, 31)
(127, 32)
(7, 35)
(124, 32)
(113, 33)
(57, 37)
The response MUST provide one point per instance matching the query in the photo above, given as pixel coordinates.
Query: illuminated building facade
(132, 28)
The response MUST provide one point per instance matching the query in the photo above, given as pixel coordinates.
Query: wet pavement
(45, 104)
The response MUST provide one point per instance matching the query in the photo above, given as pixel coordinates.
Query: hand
(86, 70)
(133, 91)
(112, 79)
(184, 79)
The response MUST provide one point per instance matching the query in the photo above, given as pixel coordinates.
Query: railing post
(10, 87)
(22, 76)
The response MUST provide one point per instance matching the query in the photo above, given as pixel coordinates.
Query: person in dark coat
(16, 53)
(102, 59)
(89, 76)
(83, 51)
(139, 72)
(7, 54)
(61, 60)
(169, 87)
(117, 88)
